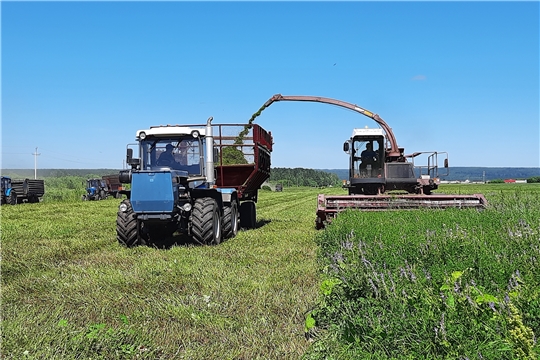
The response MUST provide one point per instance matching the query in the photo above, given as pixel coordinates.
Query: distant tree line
(303, 177)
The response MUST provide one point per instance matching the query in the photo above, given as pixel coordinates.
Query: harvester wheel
(248, 215)
(12, 199)
(126, 227)
(206, 221)
(230, 220)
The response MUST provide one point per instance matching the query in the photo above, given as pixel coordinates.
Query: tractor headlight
(195, 134)
(123, 207)
(186, 207)
(142, 135)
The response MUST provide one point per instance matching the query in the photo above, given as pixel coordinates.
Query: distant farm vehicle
(378, 166)
(9, 196)
(18, 191)
(96, 189)
(113, 185)
(279, 187)
(196, 180)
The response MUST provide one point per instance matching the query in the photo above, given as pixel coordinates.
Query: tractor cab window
(5, 183)
(367, 157)
(184, 154)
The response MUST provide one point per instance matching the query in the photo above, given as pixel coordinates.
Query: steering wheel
(164, 162)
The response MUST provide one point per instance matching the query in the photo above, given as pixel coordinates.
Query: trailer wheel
(126, 227)
(230, 220)
(248, 215)
(206, 221)
(12, 199)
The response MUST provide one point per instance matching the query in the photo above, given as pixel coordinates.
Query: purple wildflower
(366, 261)
(337, 257)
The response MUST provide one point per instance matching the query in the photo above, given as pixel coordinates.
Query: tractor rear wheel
(126, 227)
(248, 215)
(206, 221)
(12, 199)
(230, 220)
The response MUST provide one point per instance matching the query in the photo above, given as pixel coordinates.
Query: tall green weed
(444, 284)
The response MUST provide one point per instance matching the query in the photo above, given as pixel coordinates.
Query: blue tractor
(187, 181)
(9, 195)
(96, 189)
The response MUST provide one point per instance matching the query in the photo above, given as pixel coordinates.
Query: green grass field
(70, 291)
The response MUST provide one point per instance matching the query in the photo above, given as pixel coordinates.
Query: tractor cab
(8, 195)
(176, 153)
(93, 185)
(6, 184)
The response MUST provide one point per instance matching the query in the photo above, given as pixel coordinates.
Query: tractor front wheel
(126, 227)
(206, 221)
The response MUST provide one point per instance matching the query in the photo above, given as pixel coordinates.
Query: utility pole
(35, 163)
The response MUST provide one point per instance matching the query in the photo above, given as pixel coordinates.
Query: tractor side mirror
(446, 162)
(216, 155)
(130, 160)
(346, 146)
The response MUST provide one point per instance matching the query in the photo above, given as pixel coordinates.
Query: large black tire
(248, 215)
(126, 227)
(12, 199)
(206, 222)
(230, 220)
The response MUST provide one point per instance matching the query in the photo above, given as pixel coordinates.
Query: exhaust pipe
(209, 152)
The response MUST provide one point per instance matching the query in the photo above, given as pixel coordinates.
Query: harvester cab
(366, 167)
(372, 173)
(181, 183)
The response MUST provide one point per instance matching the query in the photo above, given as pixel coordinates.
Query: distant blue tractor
(182, 183)
(9, 196)
(96, 189)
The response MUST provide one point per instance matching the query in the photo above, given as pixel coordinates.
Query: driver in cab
(166, 158)
(368, 156)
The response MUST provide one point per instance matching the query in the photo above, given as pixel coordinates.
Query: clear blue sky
(80, 78)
